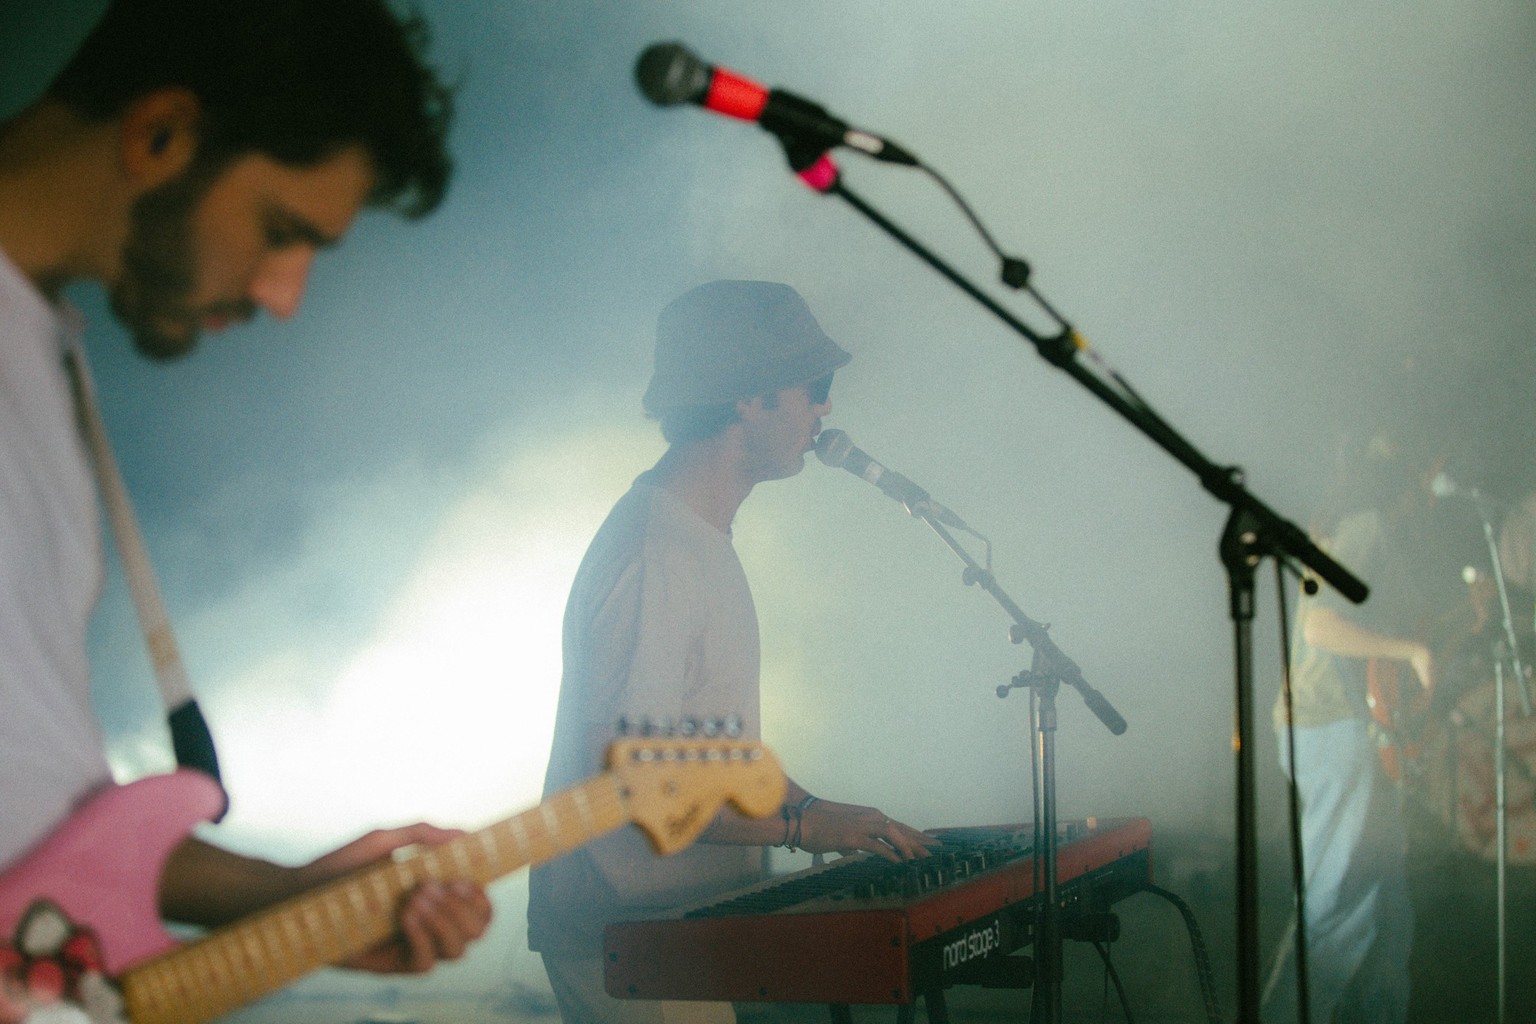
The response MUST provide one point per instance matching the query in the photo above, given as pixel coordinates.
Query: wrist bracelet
(800, 808)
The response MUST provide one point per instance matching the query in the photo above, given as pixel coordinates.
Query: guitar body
(102, 867)
(1399, 711)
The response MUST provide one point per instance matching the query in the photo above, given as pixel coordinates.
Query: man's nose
(279, 284)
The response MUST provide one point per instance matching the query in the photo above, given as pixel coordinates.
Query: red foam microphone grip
(735, 95)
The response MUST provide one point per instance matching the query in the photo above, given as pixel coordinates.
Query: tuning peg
(646, 727)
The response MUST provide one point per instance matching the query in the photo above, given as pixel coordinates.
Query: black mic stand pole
(1241, 551)
(1048, 670)
(1253, 532)
(1045, 1002)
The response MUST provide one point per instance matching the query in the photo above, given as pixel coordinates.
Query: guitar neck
(239, 964)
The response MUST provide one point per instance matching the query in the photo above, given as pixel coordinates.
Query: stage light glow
(445, 709)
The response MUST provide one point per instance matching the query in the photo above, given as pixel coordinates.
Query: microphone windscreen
(667, 73)
(833, 447)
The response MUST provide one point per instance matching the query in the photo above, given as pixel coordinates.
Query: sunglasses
(819, 389)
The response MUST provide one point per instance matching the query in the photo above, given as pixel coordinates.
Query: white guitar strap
(189, 732)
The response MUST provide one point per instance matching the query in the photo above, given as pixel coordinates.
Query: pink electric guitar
(97, 876)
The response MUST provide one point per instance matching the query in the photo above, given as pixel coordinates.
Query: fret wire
(464, 857)
(186, 985)
(150, 988)
(519, 826)
(551, 819)
(579, 798)
(239, 953)
(314, 926)
(378, 882)
(141, 987)
(338, 923)
(296, 937)
(255, 942)
(404, 880)
(153, 995)
(279, 965)
(373, 902)
(250, 945)
(177, 996)
(203, 960)
(490, 844)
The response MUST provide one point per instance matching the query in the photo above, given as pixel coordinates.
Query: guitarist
(1359, 921)
(191, 159)
(660, 624)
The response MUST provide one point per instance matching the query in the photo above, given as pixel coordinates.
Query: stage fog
(1287, 226)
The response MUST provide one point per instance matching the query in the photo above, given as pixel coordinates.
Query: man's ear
(159, 136)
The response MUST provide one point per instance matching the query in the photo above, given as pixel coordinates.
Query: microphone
(669, 74)
(836, 449)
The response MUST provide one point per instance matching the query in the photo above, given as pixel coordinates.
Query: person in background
(1358, 915)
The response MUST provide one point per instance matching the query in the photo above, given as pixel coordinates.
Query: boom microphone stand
(1048, 670)
(1253, 532)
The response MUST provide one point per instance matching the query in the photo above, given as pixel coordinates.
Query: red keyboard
(864, 930)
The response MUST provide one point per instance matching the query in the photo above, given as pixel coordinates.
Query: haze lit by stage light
(1284, 223)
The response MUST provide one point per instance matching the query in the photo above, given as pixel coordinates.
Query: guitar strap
(190, 737)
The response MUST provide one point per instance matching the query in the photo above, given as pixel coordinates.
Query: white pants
(578, 987)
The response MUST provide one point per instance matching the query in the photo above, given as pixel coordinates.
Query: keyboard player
(660, 625)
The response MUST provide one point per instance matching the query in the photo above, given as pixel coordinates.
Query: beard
(159, 270)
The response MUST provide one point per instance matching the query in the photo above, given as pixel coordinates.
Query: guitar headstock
(676, 784)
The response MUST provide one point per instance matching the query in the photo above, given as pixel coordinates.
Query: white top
(51, 571)
(660, 625)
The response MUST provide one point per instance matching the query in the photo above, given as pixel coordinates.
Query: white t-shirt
(660, 625)
(51, 570)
